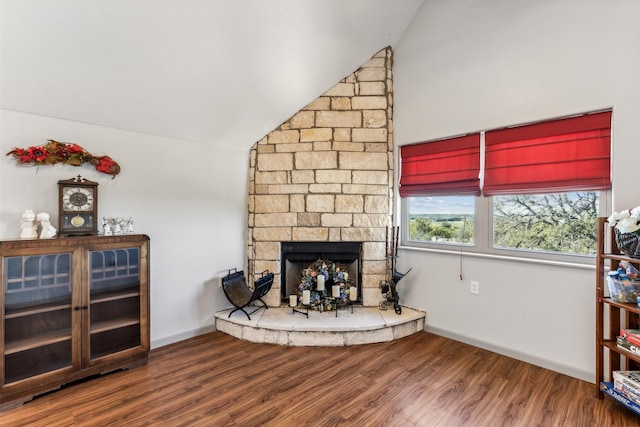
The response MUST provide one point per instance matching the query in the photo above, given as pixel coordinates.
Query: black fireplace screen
(296, 256)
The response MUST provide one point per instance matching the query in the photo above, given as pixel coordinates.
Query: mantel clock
(77, 207)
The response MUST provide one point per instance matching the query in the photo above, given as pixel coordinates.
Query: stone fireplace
(326, 176)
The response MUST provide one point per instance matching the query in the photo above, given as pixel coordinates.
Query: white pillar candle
(346, 276)
(335, 291)
(293, 300)
(353, 293)
(320, 283)
(306, 297)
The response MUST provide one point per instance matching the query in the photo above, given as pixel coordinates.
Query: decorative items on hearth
(626, 226)
(325, 284)
(54, 152)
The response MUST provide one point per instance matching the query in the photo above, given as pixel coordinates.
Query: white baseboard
(571, 371)
(161, 342)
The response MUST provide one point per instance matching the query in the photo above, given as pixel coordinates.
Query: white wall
(468, 66)
(189, 198)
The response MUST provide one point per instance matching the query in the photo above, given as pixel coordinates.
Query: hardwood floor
(421, 380)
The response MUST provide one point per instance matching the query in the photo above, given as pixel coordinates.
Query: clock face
(77, 199)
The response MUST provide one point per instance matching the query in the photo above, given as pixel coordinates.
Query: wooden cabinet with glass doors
(71, 307)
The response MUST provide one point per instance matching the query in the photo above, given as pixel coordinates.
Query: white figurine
(106, 226)
(48, 231)
(28, 227)
(117, 226)
(130, 224)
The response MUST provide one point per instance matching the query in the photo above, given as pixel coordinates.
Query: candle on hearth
(293, 300)
(346, 276)
(306, 297)
(320, 282)
(335, 292)
(353, 293)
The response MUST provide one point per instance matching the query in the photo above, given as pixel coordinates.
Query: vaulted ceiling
(211, 71)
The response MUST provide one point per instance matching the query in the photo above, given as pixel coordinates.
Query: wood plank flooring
(420, 380)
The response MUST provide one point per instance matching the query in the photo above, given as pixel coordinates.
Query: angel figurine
(47, 230)
(28, 227)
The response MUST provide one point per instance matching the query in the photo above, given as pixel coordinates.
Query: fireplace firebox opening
(296, 256)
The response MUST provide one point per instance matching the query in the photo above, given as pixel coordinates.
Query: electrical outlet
(475, 287)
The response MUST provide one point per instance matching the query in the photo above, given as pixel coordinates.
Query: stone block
(333, 176)
(288, 189)
(306, 219)
(370, 135)
(365, 189)
(316, 134)
(302, 176)
(322, 145)
(334, 234)
(325, 188)
(303, 120)
(372, 281)
(370, 177)
(376, 204)
(349, 203)
(262, 265)
(310, 234)
(371, 297)
(375, 62)
(372, 88)
(376, 147)
(375, 267)
(271, 203)
(266, 149)
(342, 134)
(348, 146)
(320, 203)
(267, 250)
(319, 104)
(261, 189)
(340, 103)
(275, 162)
(374, 118)
(374, 250)
(316, 160)
(363, 161)
(339, 119)
(273, 234)
(371, 220)
(341, 89)
(276, 219)
(297, 203)
(284, 137)
(370, 74)
(279, 177)
(363, 234)
(293, 148)
(308, 338)
(336, 220)
(369, 102)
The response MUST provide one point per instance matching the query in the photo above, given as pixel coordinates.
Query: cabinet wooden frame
(612, 315)
(96, 317)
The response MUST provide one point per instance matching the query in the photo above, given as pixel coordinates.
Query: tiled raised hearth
(278, 325)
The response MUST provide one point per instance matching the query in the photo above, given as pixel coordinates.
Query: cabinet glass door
(114, 307)
(37, 315)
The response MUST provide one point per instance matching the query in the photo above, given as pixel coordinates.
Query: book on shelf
(624, 344)
(631, 335)
(630, 378)
(626, 391)
(608, 388)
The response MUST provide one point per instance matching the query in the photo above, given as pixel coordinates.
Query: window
(543, 184)
(442, 219)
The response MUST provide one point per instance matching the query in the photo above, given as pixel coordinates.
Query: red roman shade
(571, 154)
(443, 167)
